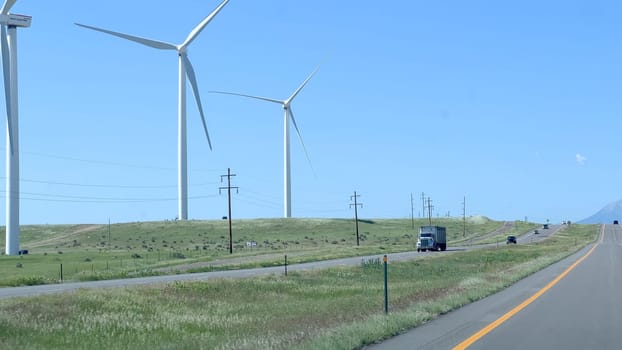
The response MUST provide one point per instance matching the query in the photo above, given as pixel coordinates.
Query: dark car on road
(511, 239)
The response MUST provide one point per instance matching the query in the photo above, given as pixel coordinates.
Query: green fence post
(386, 286)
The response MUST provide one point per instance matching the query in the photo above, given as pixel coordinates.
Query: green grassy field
(92, 252)
(338, 308)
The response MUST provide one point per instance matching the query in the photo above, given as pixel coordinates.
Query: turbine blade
(6, 69)
(291, 116)
(302, 85)
(148, 42)
(195, 32)
(195, 91)
(250, 96)
(7, 6)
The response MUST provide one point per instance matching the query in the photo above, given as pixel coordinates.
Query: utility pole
(464, 217)
(430, 206)
(228, 188)
(108, 235)
(356, 214)
(412, 211)
(423, 204)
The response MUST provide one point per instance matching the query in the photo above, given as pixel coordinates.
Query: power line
(430, 207)
(85, 199)
(109, 163)
(106, 186)
(275, 197)
(101, 162)
(267, 200)
(326, 210)
(259, 203)
(464, 217)
(356, 215)
(412, 211)
(228, 188)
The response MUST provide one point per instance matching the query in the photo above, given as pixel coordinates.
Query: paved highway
(574, 304)
(582, 311)
(531, 236)
(12, 292)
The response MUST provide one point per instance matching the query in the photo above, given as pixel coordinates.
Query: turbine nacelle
(289, 116)
(13, 20)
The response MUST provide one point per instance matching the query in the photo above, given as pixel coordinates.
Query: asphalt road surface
(582, 310)
(12, 292)
(532, 236)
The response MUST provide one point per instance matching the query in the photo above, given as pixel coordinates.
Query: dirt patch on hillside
(63, 236)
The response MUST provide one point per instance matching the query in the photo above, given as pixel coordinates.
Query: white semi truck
(432, 238)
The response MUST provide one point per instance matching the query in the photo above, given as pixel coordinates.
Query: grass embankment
(339, 308)
(515, 228)
(94, 252)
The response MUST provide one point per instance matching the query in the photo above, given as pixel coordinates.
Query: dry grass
(339, 308)
(94, 252)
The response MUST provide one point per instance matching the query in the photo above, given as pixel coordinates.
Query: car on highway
(615, 222)
(535, 232)
(511, 239)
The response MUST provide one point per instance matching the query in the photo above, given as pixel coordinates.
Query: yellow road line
(481, 333)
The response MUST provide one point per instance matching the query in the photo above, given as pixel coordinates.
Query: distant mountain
(612, 211)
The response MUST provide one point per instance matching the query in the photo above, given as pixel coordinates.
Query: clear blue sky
(515, 105)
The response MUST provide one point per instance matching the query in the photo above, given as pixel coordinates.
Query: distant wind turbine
(8, 42)
(289, 114)
(185, 69)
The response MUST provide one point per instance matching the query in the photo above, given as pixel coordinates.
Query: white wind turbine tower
(289, 114)
(8, 42)
(185, 69)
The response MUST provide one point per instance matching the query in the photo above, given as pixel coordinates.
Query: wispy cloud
(580, 158)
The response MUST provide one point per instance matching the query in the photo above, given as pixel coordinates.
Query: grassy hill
(89, 252)
(334, 308)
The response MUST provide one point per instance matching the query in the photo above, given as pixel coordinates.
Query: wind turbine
(289, 114)
(185, 69)
(8, 42)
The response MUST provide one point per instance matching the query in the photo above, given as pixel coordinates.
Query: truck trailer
(432, 238)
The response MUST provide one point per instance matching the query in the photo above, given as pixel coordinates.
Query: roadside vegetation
(337, 308)
(96, 252)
